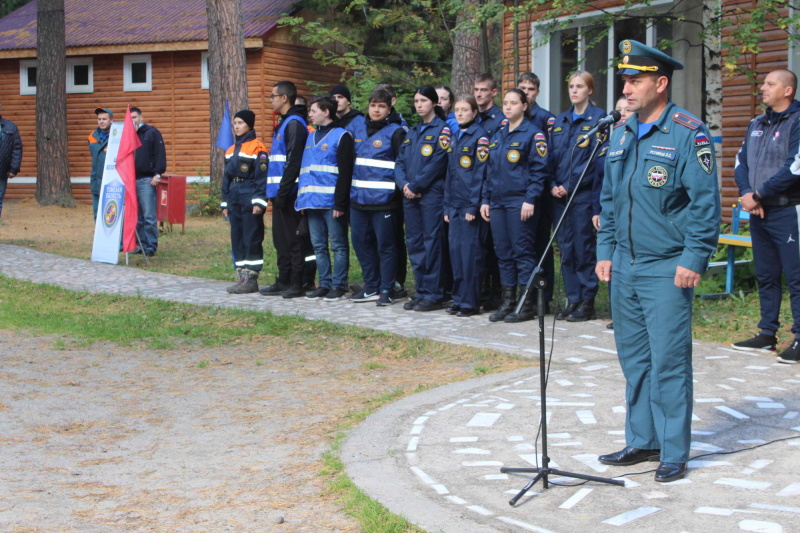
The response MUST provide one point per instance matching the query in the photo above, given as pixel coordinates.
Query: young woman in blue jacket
(515, 181)
(468, 155)
(569, 153)
(419, 174)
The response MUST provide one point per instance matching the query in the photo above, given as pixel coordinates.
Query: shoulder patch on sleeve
(686, 120)
(539, 137)
(446, 131)
(504, 122)
(483, 140)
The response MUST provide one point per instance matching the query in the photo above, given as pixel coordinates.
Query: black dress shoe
(568, 310)
(452, 310)
(409, 305)
(629, 456)
(427, 305)
(463, 313)
(670, 472)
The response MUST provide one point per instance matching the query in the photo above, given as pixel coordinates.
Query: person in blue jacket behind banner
(569, 153)
(374, 200)
(468, 155)
(324, 195)
(658, 228)
(244, 201)
(514, 184)
(446, 97)
(419, 174)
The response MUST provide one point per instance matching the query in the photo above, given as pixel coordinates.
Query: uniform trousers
(374, 239)
(287, 242)
(247, 229)
(514, 244)
(653, 333)
(467, 259)
(578, 244)
(776, 251)
(424, 219)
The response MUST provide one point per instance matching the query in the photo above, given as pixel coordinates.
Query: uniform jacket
(518, 166)
(10, 148)
(539, 116)
(288, 143)
(491, 119)
(98, 142)
(151, 157)
(246, 160)
(422, 162)
(660, 198)
(468, 158)
(566, 166)
(327, 169)
(769, 159)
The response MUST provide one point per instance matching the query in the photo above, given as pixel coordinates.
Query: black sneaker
(335, 295)
(759, 343)
(318, 294)
(385, 299)
(364, 296)
(409, 305)
(276, 289)
(294, 291)
(791, 355)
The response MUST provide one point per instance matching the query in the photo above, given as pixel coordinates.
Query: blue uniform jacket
(518, 166)
(97, 148)
(468, 156)
(491, 119)
(566, 165)
(423, 157)
(660, 199)
(539, 116)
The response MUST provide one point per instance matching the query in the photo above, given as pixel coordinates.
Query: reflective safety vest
(319, 172)
(277, 157)
(373, 174)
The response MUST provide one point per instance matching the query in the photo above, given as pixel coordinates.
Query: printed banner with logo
(108, 226)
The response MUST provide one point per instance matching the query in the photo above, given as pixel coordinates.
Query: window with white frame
(137, 73)
(27, 76)
(80, 75)
(204, 70)
(584, 45)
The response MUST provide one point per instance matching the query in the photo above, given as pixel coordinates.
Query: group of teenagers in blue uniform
(476, 192)
(469, 194)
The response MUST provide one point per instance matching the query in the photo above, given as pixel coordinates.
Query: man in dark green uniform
(659, 225)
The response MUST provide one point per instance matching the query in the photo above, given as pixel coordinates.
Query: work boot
(527, 312)
(276, 289)
(568, 310)
(585, 311)
(249, 284)
(239, 280)
(506, 305)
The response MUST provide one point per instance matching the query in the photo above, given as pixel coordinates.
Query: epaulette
(620, 124)
(687, 120)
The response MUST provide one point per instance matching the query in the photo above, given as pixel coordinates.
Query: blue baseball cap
(638, 58)
(104, 110)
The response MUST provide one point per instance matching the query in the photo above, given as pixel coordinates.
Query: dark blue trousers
(467, 259)
(578, 245)
(514, 244)
(776, 251)
(373, 235)
(424, 228)
(247, 229)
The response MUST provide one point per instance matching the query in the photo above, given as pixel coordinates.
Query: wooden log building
(151, 54)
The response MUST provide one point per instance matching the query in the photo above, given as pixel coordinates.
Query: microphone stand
(537, 281)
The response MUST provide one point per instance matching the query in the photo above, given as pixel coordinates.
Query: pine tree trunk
(712, 58)
(227, 70)
(466, 56)
(52, 162)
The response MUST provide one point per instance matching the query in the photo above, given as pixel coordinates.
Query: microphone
(601, 125)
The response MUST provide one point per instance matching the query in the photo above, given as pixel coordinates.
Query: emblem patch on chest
(324, 147)
(657, 176)
(244, 167)
(426, 150)
(377, 143)
(513, 156)
(466, 161)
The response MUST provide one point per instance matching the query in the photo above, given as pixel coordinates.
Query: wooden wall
(177, 105)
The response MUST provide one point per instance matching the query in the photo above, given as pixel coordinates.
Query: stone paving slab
(435, 457)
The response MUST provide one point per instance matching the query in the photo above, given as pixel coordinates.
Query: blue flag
(225, 137)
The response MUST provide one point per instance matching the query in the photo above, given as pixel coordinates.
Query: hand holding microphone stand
(538, 282)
